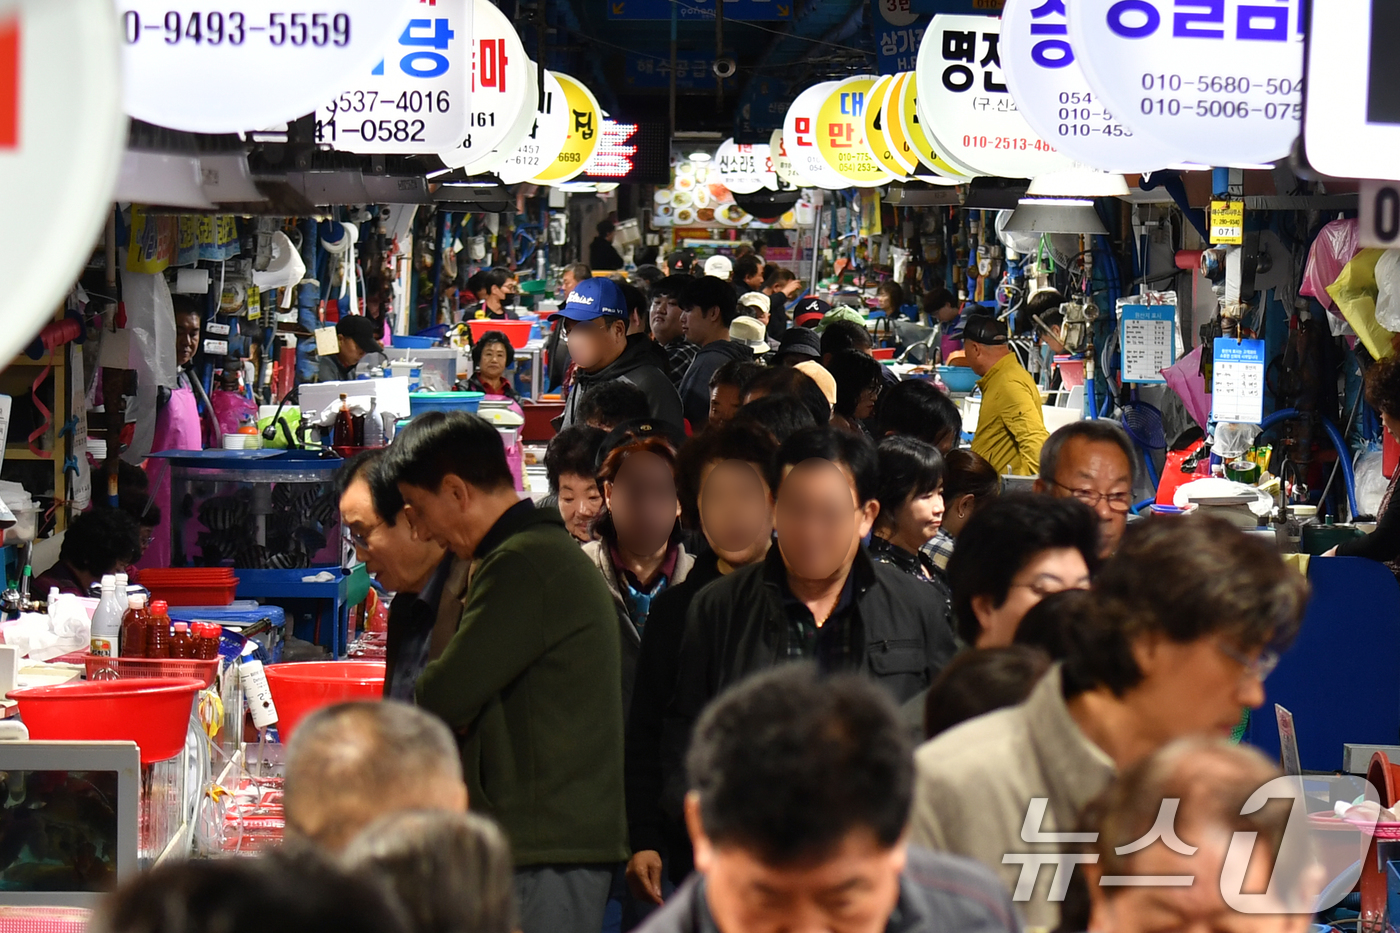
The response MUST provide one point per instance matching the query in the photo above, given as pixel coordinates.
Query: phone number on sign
(1223, 84)
(235, 28)
(1017, 143)
(1236, 109)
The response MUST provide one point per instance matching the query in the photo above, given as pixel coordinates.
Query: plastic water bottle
(107, 621)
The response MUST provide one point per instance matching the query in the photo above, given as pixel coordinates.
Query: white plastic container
(25, 510)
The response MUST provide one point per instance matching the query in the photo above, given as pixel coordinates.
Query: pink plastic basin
(155, 714)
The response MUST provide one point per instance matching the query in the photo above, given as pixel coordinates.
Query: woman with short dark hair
(911, 507)
(492, 355)
(858, 384)
(1383, 544)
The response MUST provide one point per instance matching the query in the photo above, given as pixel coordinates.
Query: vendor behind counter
(97, 543)
(1383, 545)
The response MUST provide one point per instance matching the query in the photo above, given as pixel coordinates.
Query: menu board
(1238, 393)
(1149, 342)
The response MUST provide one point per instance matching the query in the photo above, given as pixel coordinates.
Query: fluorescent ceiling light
(162, 179)
(699, 157)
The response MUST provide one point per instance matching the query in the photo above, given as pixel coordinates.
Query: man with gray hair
(350, 764)
(1092, 461)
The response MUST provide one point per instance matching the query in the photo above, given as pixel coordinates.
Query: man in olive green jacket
(531, 681)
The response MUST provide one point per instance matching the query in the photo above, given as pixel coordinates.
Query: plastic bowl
(301, 689)
(155, 714)
(883, 353)
(420, 403)
(517, 332)
(958, 378)
(402, 341)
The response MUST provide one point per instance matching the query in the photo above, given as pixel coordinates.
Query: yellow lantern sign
(841, 134)
(908, 119)
(878, 140)
(585, 127)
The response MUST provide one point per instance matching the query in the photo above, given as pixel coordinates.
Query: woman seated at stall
(492, 355)
(1383, 544)
(97, 543)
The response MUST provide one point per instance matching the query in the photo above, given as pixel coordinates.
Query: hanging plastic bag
(1233, 441)
(1185, 379)
(1388, 291)
(1336, 245)
(1371, 483)
(1355, 294)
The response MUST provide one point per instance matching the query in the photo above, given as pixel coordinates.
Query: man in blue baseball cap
(595, 326)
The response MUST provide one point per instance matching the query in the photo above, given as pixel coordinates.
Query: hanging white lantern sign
(744, 169)
(964, 102)
(189, 67)
(1220, 83)
(504, 93)
(416, 99)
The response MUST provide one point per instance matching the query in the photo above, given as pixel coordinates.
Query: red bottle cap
(181, 628)
(160, 607)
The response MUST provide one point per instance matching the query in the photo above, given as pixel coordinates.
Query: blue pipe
(1338, 443)
(1137, 509)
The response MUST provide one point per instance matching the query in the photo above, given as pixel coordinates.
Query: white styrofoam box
(1055, 417)
(390, 394)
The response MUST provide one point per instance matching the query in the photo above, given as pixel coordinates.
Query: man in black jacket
(708, 307)
(799, 792)
(817, 596)
(595, 325)
(601, 252)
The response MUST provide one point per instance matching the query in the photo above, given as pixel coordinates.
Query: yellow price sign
(840, 134)
(1227, 222)
(922, 144)
(877, 136)
(585, 128)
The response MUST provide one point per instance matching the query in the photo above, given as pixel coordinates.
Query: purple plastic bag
(1185, 379)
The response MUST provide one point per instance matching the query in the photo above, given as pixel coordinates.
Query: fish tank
(253, 509)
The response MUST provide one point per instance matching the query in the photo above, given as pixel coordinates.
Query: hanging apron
(178, 427)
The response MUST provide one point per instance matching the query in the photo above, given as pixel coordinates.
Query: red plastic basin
(301, 689)
(517, 332)
(155, 714)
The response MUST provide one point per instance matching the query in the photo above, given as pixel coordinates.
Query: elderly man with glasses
(1092, 461)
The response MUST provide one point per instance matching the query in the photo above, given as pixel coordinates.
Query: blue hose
(1137, 509)
(1338, 443)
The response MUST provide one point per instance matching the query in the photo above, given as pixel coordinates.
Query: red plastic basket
(100, 668)
(155, 714)
(191, 586)
(517, 332)
(301, 689)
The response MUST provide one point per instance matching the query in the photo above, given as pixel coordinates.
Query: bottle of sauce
(158, 631)
(180, 645)
(343, 432)
(209, 635)
(107, 620)
(135, 624)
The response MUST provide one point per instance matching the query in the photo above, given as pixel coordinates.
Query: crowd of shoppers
(688, 689)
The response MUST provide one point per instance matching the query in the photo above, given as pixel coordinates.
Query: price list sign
(1219, 82)
(1238, 393)
(1149, 342)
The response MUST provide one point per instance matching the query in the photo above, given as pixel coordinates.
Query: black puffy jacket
(643, 364)
(738, 625)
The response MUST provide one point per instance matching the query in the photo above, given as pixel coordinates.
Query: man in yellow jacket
(1010, 426)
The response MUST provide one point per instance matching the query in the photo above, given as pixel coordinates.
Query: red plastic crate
(191, 586)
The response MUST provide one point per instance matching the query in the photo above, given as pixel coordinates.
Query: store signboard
(1379, 217)
(782, 163)
(62, 134)
(1053, 94)
(633, 152)
(1351, 119)
(965, 105)
(800, 138)
(841, 134)
(416, 98)
(898, 32)
(901, 162)
(653, 73)
(583, 123)
(744, 169)
(1148, 342)
(1226, 223)
(689, 10)
(904, 113)
(504, 88)
(541, 145)
(1219, 82)
(189, 67)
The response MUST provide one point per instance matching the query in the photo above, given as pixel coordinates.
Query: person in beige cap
(758, 306)
(818, 374)
(750, 332)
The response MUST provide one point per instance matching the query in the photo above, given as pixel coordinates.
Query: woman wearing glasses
(1014, 552)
